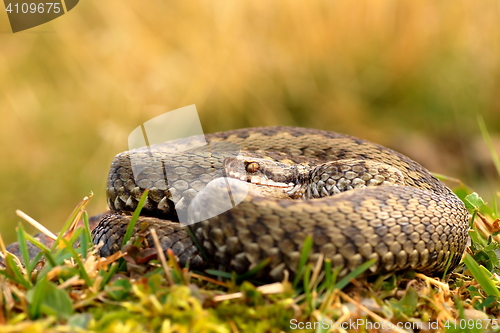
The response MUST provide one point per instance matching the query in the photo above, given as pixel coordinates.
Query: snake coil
(356, 199)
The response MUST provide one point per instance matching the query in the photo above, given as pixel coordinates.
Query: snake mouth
(256, 180)
(261, 172)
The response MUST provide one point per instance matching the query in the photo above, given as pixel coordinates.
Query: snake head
(261, 171)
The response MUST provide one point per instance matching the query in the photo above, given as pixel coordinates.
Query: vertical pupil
(252, 167)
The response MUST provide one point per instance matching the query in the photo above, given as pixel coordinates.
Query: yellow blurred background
(411, 75)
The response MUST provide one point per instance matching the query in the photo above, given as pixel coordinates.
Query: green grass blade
(86, 224)
(448, 263)
(37, 243)
(495, 204)
(445, 178)
(75, 236)
(84, 244)
(7, 275)
(79, 262)
(23, 247)
(46, 252)
(482, 275)
(35, 298)
(355, 273)
(16, 272)
(221, 274)
(61, 234)
(108, 275)
(37, 258)
(135, 216)
(335, 275)
(86, 235)
(304, 255)
(489, 143)
(475, 237)
(327, 268)
(198, 245)
(78, 209)
(131, 226)
(254, 270)
(307, 288)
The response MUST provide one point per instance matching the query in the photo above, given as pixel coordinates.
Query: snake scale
(356, 199)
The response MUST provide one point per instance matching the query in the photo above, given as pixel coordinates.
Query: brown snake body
(356, 199)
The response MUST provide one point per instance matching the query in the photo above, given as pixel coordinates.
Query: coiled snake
(356, 199)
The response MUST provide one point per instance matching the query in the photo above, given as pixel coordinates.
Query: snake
(251, 198)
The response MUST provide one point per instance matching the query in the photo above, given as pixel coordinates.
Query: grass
(77, 291)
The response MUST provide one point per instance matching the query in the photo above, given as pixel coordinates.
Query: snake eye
(252, 167)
